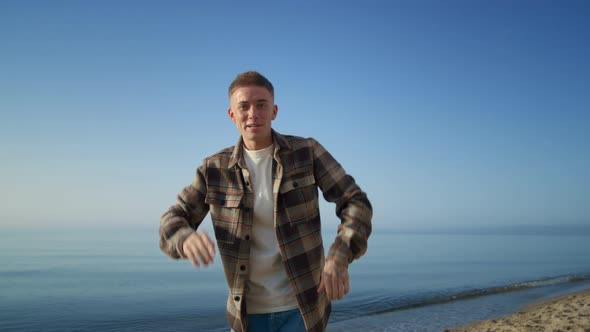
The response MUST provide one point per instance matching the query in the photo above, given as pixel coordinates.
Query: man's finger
(340, 289)
(202, 253)
(208, 245)
(327, 285)
(195, 261)
(189, 252)
(321, 288)
(335, 286)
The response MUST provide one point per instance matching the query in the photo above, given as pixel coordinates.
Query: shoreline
(458, 315)
(569, 312)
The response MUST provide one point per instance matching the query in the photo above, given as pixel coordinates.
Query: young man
(263, 198)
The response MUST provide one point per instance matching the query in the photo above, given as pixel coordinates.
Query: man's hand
(334, 280)
(199, 249)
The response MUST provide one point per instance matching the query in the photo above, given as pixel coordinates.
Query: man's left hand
(335, 280)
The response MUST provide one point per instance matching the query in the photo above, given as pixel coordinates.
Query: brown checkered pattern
(300, 166)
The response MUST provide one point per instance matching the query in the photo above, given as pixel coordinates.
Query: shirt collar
(237, 158)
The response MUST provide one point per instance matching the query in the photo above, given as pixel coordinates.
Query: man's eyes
(245, 107)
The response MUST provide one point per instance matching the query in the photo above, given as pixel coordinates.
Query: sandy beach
(565, 313)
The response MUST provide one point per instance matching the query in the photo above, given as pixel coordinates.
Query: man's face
(252, 109)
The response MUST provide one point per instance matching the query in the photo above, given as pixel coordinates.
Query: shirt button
(243, 267)
(295, 184)
(247, 237)
(237, 298)
(246, 209)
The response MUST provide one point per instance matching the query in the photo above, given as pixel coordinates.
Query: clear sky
(445, 112)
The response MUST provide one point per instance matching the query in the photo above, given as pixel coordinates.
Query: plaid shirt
(301, 165)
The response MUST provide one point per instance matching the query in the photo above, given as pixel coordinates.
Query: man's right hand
(199, 249)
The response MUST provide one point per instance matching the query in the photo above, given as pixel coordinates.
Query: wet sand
(565, 313)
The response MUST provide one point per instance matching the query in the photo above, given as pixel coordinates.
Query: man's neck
(251, 145)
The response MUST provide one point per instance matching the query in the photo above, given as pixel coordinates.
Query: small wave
(21, 273)
(468, 294)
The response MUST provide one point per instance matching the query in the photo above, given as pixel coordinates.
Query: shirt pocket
(225, 214)
(299, 195)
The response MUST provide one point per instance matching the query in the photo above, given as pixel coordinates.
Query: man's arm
(355, 212)
(177, 226)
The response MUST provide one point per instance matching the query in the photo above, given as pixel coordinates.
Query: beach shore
(564, 313)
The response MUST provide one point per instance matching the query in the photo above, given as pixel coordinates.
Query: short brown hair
(250, 78)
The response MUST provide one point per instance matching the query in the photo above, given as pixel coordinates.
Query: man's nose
(252, 112)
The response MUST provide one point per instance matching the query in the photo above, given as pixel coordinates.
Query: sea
(117, 279)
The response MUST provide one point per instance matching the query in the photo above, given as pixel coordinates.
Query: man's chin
(256, 134)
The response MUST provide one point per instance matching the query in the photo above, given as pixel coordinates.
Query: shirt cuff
(340, 253)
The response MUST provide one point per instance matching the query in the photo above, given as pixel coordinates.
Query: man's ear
(231, 115)
(275, 111)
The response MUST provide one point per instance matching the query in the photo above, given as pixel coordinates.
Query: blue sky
(446, 113)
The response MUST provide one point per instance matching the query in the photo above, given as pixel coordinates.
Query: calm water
(107, 280)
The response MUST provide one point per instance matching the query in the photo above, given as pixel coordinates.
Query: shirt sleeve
(182, 219)
(352, 206)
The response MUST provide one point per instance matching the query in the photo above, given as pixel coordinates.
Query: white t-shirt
(268, 286)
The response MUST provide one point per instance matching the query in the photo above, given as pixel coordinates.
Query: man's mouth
(252, 126)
